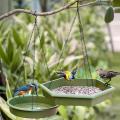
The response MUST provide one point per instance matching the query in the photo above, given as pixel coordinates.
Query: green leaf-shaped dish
(109, 16)
(32, 106)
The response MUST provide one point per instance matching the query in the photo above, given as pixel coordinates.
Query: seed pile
(77, 90)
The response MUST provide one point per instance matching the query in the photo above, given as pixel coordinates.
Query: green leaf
(116, 3)
(63, 112)
(59, 44)
(53, 37)
(10, 49)
(16, 61)
(17, 38)
(3, 55)
(42, 40)
(8, 91)
(109, 16)
(80, 112)
(68, 60)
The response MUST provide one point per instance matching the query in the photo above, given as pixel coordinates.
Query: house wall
(115, 30)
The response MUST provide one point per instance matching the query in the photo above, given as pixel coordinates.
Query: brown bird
(107, 75)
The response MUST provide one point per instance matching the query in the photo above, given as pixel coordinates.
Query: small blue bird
(26, 89)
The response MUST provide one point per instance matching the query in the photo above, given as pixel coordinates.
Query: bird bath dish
(76, 92)
(32, 106)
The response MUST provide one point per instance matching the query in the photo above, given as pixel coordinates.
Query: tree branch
(15, 11)
(95, 3)
(68, 6)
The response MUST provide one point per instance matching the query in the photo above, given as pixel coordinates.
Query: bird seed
(77, 90)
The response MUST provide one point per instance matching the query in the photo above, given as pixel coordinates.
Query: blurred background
(102, 42)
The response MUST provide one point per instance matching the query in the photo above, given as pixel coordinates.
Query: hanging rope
(65, 43)
(29, 42)
(34, 48)
(82, 45)
(43, 53)
(25, 52)
(83, 42)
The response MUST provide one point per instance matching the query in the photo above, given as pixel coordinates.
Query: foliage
(116, 3)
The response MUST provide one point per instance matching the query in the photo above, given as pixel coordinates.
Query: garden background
(15, 32)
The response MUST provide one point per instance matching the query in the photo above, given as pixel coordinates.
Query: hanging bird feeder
(31, 106)
(76, 99)
(26, 108)
(80, 92)
(34, 106)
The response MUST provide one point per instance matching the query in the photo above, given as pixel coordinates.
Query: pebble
(77, 90)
